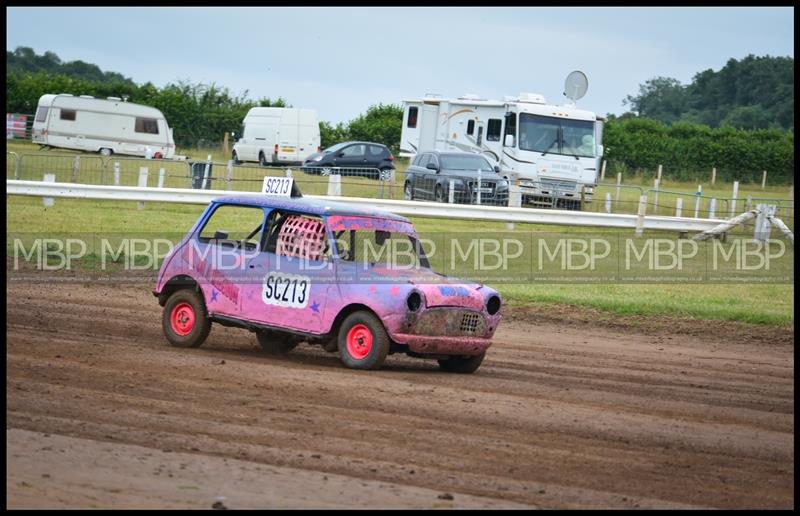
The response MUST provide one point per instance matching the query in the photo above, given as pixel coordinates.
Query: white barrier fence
(638, 222)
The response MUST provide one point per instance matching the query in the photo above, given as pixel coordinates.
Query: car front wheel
(185, 319)
(408, 193)
(439, 194)
(235, 158)
(363, 341)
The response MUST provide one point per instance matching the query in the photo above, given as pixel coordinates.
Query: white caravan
(552, 150)
(108, 126)
(277, 136)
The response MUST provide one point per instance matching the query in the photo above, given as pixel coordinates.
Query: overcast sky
(341, 60)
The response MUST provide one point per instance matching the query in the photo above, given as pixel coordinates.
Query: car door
(429, 177)
(352, 156)
(291, 277)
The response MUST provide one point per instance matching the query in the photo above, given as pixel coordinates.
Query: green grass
(763, 303)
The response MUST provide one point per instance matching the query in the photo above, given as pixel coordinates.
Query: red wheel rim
(359, 341)
(182, 319)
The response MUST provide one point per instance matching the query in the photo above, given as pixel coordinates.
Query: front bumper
(424, 344)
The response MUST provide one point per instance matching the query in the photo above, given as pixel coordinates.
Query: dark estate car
(349, 157)
(431, 174)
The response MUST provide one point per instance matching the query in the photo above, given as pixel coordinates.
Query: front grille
(450, 322)
(469, 322)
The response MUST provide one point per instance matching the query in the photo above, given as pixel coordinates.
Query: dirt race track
(568, 411)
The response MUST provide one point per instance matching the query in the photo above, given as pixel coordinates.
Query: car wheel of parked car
(326, 171)
(105, 151)
(439, 193)
(185, 319)
(262, 160)
(464, 365)
(386, 174)
(275, 343)
(408, 193)
(235, 158)
(363, 341)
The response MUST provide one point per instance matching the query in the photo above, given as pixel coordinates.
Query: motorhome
(552, 152)
(277, 136)
(108, 126)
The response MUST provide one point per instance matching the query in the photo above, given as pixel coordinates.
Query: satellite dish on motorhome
(576, 85)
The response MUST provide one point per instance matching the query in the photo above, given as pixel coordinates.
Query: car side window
(296, 235)
(354, 151)
(423, 160)
(375, 150)
(435, 160)
(234, 226)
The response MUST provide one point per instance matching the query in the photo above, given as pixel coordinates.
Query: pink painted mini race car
(298, 270)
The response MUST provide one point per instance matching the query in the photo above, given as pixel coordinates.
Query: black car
(431, 174)
(366, 159)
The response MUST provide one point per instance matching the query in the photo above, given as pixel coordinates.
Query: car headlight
(316, 158)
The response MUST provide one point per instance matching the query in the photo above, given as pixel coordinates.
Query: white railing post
(49, 201)
(335, 185)
(76, 166)
(603, 171)
(640, 215)
(229, 175)
(656, 184)
(712, 208)
(697, 201)
(451, 192)
(713, 175)
(207, 172)
(619, 181)
(678, 206)
(764, 180)
(162, 172)
(116, 173)
(735, 195)
(608, 202)
(143, 173)
(479, 187)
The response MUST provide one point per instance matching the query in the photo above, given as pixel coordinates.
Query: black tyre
(275, 343)
(463, 365)
(185, 319)
(235, 158)
(363, 341)
(262, 160)
(386, 174)
(105, 151)
(439, 193)
(408, 192)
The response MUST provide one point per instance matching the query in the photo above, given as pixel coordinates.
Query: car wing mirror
(340, 155)
(497, 169)
(432, 166)
(509, 140)
(220, 235)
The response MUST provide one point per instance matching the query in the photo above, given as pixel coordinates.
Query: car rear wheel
(408, 192)
(363, 341)
(262, 160)
(275, 343)
(235, 158)
(463, 365)
(185, 319)
(105, 151)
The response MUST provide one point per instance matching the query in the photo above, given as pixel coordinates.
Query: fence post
(514, 197)
(480, 183)
(697, 201)
(229, 175)
(608, 202)
(583, 197)
(143, 172)
(660, 168)
(225, 144)
(712, 207)
(76, 165)
(335, 185)
(763, 226)
(116, 173)
(17, 159)
(678, 206)
(713, 175)
(48, 201)
(640, 215)
(206, 172)
(603, 171)
(619, 181)
(733, 200)
(451, 192)
(764, 180)
(161, 173)
(656, 184)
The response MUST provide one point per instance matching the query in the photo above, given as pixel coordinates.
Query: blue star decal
(315, 307)
(214, 295)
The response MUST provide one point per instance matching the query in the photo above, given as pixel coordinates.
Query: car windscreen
(334, 148)
(450, 162)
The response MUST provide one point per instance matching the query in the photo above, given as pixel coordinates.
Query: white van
(277, 136)
(108, 126)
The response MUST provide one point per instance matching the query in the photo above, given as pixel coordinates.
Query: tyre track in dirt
(558, 416)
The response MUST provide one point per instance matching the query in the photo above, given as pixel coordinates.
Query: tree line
(663, 131)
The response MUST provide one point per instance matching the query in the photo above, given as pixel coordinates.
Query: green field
(763, 303)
